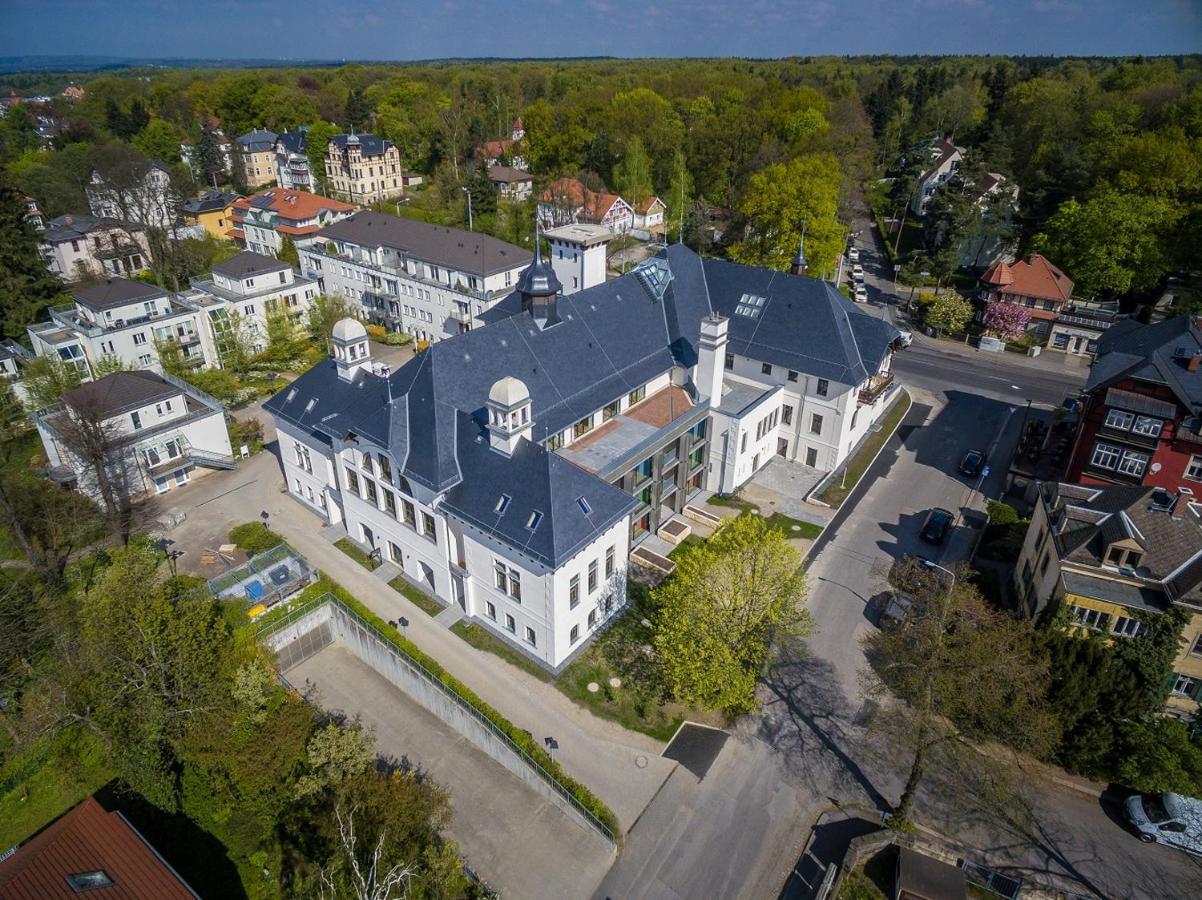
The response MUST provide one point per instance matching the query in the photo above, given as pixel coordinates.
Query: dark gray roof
(114, 292)
(258, 140)
(294, 141)
(1153, 353)
(369, 144)
(508, 174)
(209, 201)
(803, 324)
(119, 392)
(465, 251)
(73, 227)
(246, 264)
(1129, 595)
(925, 878)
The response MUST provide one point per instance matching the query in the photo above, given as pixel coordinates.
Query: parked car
(936, 526)
(857, 272)
(973, 463)
(1167, 819)
(906, 337)
(853, 253)
(860, 295)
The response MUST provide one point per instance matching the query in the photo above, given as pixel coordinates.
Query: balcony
(1126, 436)
(877, 385)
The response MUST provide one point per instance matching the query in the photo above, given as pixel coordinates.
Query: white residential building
(510, 470)
(143, 195)
(79, 247)
(158, 432)
(422, 279)
(292, 170)
(578, 255)
(260, 222)
(945, 159)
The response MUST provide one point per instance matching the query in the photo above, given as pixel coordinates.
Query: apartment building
(509, 470)
(422, 279)
(212, 211)
(363, 168)
(1113, 556)
(143, 195)
(257, 150)
(292, 170)
(76, 247)
(159, 433)
(260, 222)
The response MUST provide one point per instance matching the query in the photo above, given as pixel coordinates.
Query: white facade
(578, 255)
(253, 298)
(945, 161)
(97, 249)
(147, 200)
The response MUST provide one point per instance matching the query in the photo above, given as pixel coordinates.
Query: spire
(799, 265)
(539, 286)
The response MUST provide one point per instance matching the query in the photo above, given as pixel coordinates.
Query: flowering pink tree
(1006, 321)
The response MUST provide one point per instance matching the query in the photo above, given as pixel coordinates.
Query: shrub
(376, 332)
(254, 537)
(1001, 513)
(397, 339)
(248, 433)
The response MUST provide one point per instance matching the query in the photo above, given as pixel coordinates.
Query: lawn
(351, 549)
(478, 637)
(420, 599)
(786, 525)
(841, 486)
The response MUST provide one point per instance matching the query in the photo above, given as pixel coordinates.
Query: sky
(435, 29)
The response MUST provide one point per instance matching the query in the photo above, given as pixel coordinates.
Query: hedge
(519, 736)
(254, 537)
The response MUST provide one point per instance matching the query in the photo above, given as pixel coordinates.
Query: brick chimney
(1194, 363)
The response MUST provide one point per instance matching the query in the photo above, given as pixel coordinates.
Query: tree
(1006, 321)
(208, 163)
(288, 252)
(316, 142)
(1157, 755)
(358, 110)
(948, 312)
(632, 174)
(334, 754)
(46, 379)
(238, 170)
(680, 197)
(26, 286)
(956, 673)
(783, 199)
(324, 313)
(159, 140)
(1113, 243)
(728, 599)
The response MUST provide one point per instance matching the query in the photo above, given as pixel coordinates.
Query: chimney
(1194, 362)
(711, 359)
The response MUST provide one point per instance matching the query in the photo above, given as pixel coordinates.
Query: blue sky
(428, 29)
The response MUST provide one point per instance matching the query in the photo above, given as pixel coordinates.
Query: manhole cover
(640, 761)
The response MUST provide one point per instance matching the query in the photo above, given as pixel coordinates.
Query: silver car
(1167, 819)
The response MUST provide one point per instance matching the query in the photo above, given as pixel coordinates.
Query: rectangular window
(610, 410)
(501, 572)
(1194, 469)
(792, 375)
(592, 618)
(574, 592)
(530, 638)
(729, 361)
(352, 481)
(823, 387)
(1185, 686)
(139, 338)
(766, 368)
(743, 443)
(574, 634)
(636, 396)
(1196, 650)
(786, 415)
(1134, 463)
(1127, 627)
(583, 427)
(365, 461)
(136, 419)
(428, 526)
(371, 496)
(1105, 456)
(815, 423)
(1090, 618)
(510, 624)
(609, 561)
(408, 515)
(515, 584)
(592, 576)
(490, 610)
(1116, 418)
(389, 502)
(1147, 426)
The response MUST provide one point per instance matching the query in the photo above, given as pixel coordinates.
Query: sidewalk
(622, 767)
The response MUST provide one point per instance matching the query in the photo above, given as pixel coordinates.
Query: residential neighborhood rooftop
(247, 263)
(115, 292)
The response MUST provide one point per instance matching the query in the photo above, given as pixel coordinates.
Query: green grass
(351, 549)
(630, 706)
(420, 599)
(777, 521)
(479, 637)
(842, 485)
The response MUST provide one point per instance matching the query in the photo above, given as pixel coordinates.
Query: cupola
(540, 288)
(509, 414)
(350, 348)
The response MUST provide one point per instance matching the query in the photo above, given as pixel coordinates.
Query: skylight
(535, 518)
(502, 504)
(583, 504)
(750, 305)
(656, 275)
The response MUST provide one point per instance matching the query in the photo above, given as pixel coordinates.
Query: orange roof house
(1032, 282)
(579, 204)
(90, 849)
(281, 211)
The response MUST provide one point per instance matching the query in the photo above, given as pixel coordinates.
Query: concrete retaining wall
(330, 622)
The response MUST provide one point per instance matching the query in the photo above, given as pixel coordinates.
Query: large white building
(130, 320)
(511, 469)
(426, 280)
(79, 247)
(142, 194)
(158, 433)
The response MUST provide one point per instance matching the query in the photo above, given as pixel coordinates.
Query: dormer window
(502, 504)
(533, 522)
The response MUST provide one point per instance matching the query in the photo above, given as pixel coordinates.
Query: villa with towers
(513, 469)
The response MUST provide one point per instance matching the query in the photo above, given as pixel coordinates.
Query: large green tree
(26, 286)
(632, 174)
(724, 606)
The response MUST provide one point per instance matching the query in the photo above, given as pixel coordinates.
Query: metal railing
(463, 703)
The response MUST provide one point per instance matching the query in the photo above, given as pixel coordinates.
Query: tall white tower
(578, 255)
(352, 351)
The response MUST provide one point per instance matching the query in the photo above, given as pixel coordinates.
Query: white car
(906, 337)
(853, 254)
(1167, 819)
(857, 272)
(861, 293)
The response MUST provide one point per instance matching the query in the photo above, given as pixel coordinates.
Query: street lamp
(552, 746)
(468, 191)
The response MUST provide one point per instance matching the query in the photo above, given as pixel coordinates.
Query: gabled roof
(645, 206)
(464, 251)
(257, 141)
(369, 144)
(120, 392)
(941, 152)
(246, 264)
(292, 205)
(74, 226)
(89, 839)
(1159, 354)
(114, 292)
(293, 141)
(1034, 276)
(593, 205)
(209, 201)
(508, 174)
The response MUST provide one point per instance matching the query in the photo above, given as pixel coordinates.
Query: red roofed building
(649, 215)
(259, 222)
(1032, 282)
(566, 201)
(90, 849)
(510, 148)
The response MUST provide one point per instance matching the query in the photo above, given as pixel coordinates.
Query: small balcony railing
(876, 386)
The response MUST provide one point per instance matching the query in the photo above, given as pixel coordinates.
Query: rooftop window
(750, 305)
(583, 504)
(89, 881)
(502, 504)
(535, 518)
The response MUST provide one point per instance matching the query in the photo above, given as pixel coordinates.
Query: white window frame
(1185, 685)
(1193, 470)
(1147, 426)
(1120, 419)
(1102, 451)
(1134, 463)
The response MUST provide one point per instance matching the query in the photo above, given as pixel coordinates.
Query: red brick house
(1141, 417)
(1032, 282)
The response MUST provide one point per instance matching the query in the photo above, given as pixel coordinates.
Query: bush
(254, 537)
(1001, 513)
(248, 433)
(376, 332)
(396, 339)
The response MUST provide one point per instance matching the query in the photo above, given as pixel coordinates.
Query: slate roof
(90, 839)
(120, 392)
(246, 264)
(508, 175)
(73, 227)
(1155, 353)
(464, 251)
(293, 141)
(611, 338)
(257, 141)
(369, 144)
(209, 201)
(114, 292)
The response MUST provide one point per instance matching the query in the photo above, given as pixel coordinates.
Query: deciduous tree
(1006, 321)
(948, 312)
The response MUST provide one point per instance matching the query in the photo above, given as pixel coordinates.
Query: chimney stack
(711, 359)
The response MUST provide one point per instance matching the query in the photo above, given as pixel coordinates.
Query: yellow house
(211, 210)
(257, 149)
(1112, 556)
